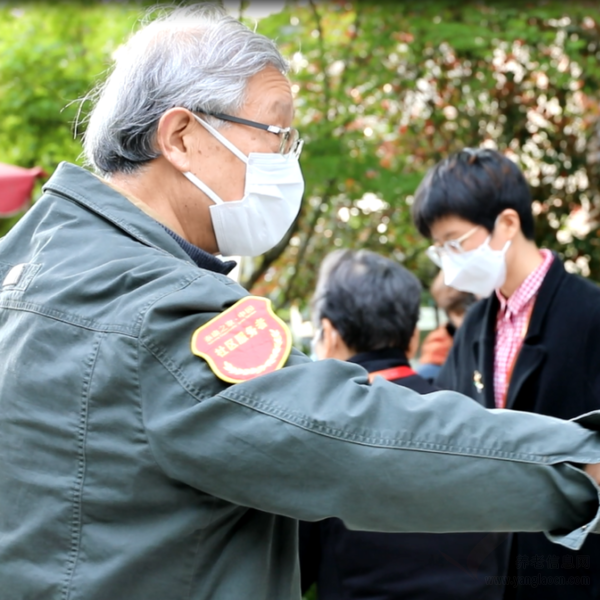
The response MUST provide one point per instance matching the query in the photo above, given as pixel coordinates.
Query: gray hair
(197, 57)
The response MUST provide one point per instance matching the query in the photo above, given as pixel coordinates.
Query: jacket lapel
(533, 352)
(483, 355)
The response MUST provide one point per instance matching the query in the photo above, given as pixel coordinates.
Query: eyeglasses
(435, 252)
(289, 138)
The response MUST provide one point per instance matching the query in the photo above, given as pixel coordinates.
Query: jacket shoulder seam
(78, 484)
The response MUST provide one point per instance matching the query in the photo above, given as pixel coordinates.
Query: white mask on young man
(479, 271)
(272, 196)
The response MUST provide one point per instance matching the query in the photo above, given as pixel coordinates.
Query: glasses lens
(296, 149)
(289, 140)
(434, 254)
(454, 246)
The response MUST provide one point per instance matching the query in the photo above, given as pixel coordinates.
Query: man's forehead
(280, 105)
(270, 92)
(274, 108)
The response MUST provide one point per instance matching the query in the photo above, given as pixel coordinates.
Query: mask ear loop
(508, 242)
(222, 139)
(197, 182)
(504, 248)
(201, 185)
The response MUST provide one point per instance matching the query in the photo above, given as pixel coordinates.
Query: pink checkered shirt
(511, 326)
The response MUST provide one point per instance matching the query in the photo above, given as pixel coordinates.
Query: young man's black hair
(476, 185)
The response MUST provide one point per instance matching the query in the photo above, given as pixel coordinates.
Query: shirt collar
(528, 288)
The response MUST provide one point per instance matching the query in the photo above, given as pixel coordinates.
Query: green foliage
(51, 54)
(383, 91)
(386, 90)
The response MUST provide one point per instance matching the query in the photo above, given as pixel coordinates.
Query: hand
(593, 471)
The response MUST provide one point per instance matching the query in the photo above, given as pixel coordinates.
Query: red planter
(16, 184)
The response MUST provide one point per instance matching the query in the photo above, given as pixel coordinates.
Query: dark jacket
(557, 373)
(388, 566)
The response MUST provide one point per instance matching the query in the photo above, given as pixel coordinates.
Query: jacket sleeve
(314, 440)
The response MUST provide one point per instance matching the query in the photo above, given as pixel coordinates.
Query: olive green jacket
(128, 470)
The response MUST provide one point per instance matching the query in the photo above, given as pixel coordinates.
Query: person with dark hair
(436, 345)
(531, 343)
(365, 302)
(365, 310)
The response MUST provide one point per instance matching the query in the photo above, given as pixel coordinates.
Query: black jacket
(391, 566)
(557, 373)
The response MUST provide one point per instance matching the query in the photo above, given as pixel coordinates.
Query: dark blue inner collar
(202, 258)
(377, 360)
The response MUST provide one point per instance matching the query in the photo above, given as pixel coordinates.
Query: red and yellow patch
(246, 340)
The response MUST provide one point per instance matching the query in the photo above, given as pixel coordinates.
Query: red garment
(435, 347)
(511, 326)
(16, 184)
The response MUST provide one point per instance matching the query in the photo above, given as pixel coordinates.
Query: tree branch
(321, 43)
(304, 247)
(268, 258)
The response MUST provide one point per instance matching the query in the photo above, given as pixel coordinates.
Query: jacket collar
(483, 352)
(202, 258)
(531, 353)
(377, 360)
(552, 282)
(79, 185)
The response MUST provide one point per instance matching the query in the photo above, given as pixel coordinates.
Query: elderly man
(158, 438)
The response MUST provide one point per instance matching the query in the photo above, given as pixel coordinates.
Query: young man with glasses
(532, 342)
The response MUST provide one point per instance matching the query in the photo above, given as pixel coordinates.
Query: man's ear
(175, 137)
(413, 345)
(508, 223)
(329, 338)
(332, 344)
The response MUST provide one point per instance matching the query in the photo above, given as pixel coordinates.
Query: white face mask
(479, 271)
(272, 197)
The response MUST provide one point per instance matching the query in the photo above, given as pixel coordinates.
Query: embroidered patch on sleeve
(244, 341)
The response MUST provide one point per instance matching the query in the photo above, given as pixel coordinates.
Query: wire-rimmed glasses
(289, 138)
(435, 251)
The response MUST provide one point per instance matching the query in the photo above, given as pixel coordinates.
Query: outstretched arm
(315, 440)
